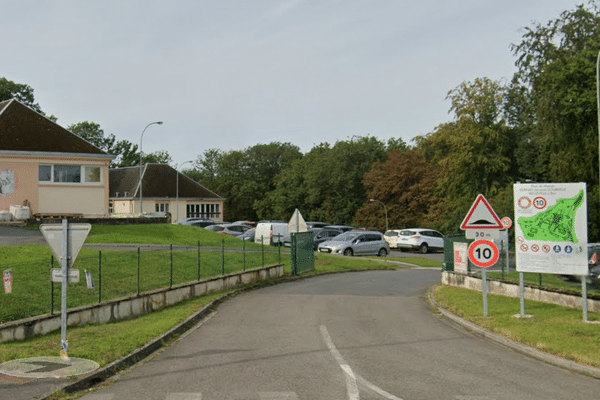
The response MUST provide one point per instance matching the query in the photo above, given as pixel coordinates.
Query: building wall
(129, 208)
(88, 199)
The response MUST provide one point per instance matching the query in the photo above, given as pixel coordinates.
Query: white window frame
(85, 171)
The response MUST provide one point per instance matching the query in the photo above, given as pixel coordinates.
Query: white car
(391, 237)
(420, 239)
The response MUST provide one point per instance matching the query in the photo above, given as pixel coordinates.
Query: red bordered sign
(483, 253)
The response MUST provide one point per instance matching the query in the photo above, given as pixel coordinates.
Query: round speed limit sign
(483, 253)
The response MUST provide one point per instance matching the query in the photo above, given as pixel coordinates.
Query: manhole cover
(48, 367)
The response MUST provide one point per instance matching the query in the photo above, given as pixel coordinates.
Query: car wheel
(382, 252)
(348, 252)
(423, 248)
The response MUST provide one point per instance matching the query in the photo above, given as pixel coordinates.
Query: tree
(23, 93)
(474, 154)
(557, 69)
(405, 183)
(126, 152)
(326, 184)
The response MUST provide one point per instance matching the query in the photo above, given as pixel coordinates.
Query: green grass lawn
(554, 329)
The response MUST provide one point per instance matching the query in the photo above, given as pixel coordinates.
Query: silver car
(356, 243)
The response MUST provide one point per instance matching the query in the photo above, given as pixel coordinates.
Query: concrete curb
(521, 348)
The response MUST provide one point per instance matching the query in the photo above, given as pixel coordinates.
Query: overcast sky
(231, 74)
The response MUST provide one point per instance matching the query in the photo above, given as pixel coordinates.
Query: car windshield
(391, 234)
(347, 236)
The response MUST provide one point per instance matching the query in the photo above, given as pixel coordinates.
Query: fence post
(244, 252)
(99, 276)
(171, 276)
(51, 287)
(262, 247)
(223, 257)
(198, 260)
(138, 272)
(280, 245)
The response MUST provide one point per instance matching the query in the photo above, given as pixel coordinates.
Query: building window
(210, 211)
(91, 174)
(162, 207)
(67, 173)
(45, 173)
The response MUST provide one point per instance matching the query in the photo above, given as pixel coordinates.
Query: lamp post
(177, 190)
(386, 215)
(141, 154)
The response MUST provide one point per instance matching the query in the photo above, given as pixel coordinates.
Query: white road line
(351, 377)
(277, 396)
(351, 385)
(184, 396)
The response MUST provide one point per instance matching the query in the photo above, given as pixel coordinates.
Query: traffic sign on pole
(483, 253)
(481, 216)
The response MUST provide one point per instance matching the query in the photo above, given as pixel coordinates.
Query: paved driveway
(15, 236)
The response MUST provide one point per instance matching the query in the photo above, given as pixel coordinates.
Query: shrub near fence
(126, 270)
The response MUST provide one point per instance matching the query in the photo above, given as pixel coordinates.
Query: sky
(228, 75)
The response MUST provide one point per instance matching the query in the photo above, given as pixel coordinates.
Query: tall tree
(126, 152)
(474, 153)
(22, 92)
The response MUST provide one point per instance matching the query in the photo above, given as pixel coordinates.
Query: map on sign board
(557, 223)
(551, 228)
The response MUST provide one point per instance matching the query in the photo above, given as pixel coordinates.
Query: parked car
(391, 237)
(320, 235)
(270, 233)
(356, 243)
(248, 235)
(229, 229)
(420, 239)
(316, 224)
(343, 228)
(201, 223)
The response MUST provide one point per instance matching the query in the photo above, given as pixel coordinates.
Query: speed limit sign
(483, 253)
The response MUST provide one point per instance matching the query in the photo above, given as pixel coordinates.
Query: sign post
(482, 223)
(65, 241)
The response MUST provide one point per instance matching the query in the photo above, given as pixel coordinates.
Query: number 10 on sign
(483, 253)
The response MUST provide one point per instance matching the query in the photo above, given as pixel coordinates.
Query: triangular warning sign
(297, 223)
(481, 216)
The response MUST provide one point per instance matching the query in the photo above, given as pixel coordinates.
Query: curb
(519, 347)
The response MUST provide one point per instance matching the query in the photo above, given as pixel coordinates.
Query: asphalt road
(364, 335)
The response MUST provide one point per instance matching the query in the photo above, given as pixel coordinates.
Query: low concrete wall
(512, 290)
(133, 306)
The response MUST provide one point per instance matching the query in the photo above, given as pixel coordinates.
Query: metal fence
(126, 270)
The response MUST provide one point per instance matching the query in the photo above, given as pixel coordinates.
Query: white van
(270, 233)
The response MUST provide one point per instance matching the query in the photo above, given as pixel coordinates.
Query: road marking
(351, 377)
(277, 396)
(183, 396)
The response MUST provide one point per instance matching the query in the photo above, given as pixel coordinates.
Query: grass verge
(554, 329)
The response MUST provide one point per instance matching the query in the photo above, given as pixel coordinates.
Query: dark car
(319, 236)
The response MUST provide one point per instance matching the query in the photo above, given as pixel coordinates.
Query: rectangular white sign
(461, 257)
(551, 228)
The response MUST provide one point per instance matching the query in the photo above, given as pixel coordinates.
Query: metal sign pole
(584, 297)
(64, 345)
(485, 292)
(522, 292)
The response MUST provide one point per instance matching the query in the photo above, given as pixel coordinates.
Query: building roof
(160, 181)
(24, 130)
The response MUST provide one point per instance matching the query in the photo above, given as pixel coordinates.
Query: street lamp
(386, 216)
(177, 190)
(141, 154)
